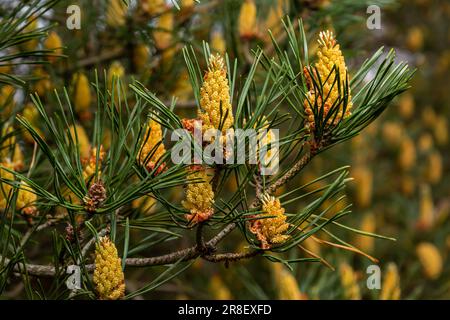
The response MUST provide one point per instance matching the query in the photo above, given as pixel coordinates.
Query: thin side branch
(191, 252)
(230, 257)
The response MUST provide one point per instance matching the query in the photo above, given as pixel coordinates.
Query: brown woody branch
(188, 253)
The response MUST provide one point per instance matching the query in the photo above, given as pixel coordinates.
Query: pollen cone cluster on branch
(108, 275)
(152, 148)
(216, 111)
(329, 57)
(270, 226)
(199, 195)
(25, 197)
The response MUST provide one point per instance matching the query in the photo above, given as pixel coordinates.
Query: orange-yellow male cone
(25, 197)
(430, 259)
(116, 13)
(216, 111)
(329, 56)
(152, 148)
(108, 275)
(247, 20)
(270, 226)
(199, 196)
(53, 42)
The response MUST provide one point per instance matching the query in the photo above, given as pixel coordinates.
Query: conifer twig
(194, 251)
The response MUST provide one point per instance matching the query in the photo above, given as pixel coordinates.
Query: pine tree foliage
(81, 200)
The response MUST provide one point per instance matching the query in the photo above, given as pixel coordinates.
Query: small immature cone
(430, 259)
(329, 55)
(247, 20)
(108, 275)
(270, 231)
(390, 289)
(82, 98)
(199, 196)
(349, 282)
(95, 197)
